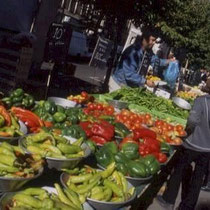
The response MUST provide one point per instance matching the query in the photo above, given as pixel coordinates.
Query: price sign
(59, 37)
(101, 53)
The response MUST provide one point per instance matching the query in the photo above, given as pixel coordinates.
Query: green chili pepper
(40, 137)
(7, 160)
(71, 172)
(5, 151)
(51, 148)
(36, 150)
(8, 169)
(106, 173)
(28, 200)
(117, 190)
(7, 146)
(60, 139)
(99, 196)
(14, 122)
(107, 194)
(87, 188)
(124, 182)
(80, 178)
(69, 149)
(62, 196)
(73, 197)
(78, 142)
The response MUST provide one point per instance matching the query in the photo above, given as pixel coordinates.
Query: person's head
(148, 38)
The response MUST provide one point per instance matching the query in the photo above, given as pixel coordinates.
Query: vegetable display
(109, 185)
(14, 163)
(38, 198)
(52, 145)
(20, 99)
(147, 99)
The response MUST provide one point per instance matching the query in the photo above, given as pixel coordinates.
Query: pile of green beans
(149, 100)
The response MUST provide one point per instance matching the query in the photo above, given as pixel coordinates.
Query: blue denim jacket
(126, 72)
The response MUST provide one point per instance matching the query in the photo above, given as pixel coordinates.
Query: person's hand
(150, 83)
(171, 60)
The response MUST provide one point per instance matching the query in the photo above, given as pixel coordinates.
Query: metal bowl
(7, 197)
(13, 140)
(101, 204)
(135, 181)
(63, 102)
(8, 184)
(118, 104)
(59, 164)
(181, 103)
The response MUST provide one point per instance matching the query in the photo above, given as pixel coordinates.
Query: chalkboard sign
(101, 53)
(59, 37)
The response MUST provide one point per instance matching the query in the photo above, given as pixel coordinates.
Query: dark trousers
(192, 184)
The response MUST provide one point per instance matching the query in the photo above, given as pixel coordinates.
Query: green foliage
(183, 23)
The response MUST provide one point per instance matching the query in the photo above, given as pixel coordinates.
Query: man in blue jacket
(135, 60)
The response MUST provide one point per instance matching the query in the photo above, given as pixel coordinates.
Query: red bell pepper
(26, 114)
(161, 157)
(86, 126)
(5, 115)
(144, 150)
(98, 140)
(143, 132)
(105, 131)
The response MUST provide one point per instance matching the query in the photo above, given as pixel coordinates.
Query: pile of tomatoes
(134, 121)
(169, 133)
(98, 109)
(83, 98)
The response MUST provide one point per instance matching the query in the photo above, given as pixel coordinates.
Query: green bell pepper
(104, 157)
(164, 147)
(7, 101)
(121, 130)
(121, 158)
(122, 168)
(73, 119)
(17, 99)
(17, 93)
(154, 167)
(130, 150)
(74, 131)
(2, 121)
(59, 117)
(28, 101)
(60, 109)
(112, 147)
(47, 117)
(137, 169)
(149, 159)
(50, 107)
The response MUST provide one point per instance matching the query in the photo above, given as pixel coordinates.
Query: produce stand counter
(145, 192)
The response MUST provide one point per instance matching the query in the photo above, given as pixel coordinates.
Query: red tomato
(125, 112)
(158, 123)
(170, 127)
(179, 128)
(148, 116)
(109, 110)
(182, 133)
(84, 94)
(99, 107)
(124, 118)
(91, 106)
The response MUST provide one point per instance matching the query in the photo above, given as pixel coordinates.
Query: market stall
(84, 152)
